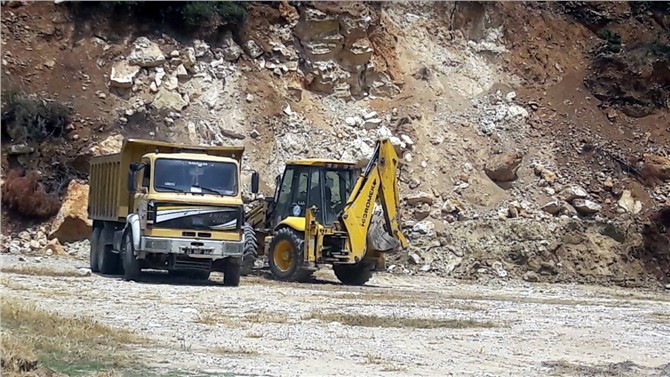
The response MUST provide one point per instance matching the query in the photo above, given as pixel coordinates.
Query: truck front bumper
(210, 249)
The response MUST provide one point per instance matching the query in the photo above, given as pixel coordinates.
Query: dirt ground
(393, 326)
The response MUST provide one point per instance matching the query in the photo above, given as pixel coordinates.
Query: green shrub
(28, 118)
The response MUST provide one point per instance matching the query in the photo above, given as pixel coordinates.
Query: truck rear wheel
(108, 261)
(250, 249)
(353, 274)
(93, 254)
(286, 256)
(231, 272)
(131, 265)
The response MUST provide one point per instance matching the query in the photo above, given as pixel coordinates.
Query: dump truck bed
(109, 198)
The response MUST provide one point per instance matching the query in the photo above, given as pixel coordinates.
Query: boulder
(188, 57)
(169, 100)
(629, 204)
(53, 247)
(552, 207)
(181, 72)
(571, 193)
(146, 53)
(123, 74)
(253, 49)
(231, 50)
(586, 207)
(503, 167)
(200, 48)
(72, 223)
(658, 166)
(424, 227)
(111, 145)
(420, 198)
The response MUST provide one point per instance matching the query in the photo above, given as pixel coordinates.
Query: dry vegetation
(223, 350)
(211, 319)
(401, 322)
(55, 339)
(34, 270)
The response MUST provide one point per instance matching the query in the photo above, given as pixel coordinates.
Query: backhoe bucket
(378, 238)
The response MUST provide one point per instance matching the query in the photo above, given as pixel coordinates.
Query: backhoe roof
(320, 162)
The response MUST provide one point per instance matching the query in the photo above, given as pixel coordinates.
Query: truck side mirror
(254, 182)
(131, 178)
(132, 169)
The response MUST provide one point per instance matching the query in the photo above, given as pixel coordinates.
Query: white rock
(181, 72)
(371, 124)
(586, 207)
(201, 48)
(370, 115)
(424, 227)
(406, 139)
(123, 74)
(628, 203)
(573, 192)
(146, 53)
(250, 98)
(351, 121)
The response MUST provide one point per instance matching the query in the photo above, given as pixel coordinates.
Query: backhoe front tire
(286, 256)
(250, 249)
(353, 274)
(131, 265)
(93, 255)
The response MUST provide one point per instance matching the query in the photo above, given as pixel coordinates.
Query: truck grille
(198, 217)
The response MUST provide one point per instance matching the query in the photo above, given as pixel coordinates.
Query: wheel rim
(283, 255)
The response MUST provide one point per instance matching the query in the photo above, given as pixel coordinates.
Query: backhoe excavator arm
(378, 180)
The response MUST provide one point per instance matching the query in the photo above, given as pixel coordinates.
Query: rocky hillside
(535, 137)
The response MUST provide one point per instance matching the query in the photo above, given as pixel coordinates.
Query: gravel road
(442, 327)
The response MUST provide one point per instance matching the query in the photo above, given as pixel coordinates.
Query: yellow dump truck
(165, 206)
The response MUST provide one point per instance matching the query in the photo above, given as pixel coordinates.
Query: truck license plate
(197, 250)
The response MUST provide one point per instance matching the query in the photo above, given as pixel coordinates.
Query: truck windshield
(192, 176)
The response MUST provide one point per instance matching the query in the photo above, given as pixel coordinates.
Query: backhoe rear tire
(93, 256)
(250, 249)
(286, 256)
(353, 274)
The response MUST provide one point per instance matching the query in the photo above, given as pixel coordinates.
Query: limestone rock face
(123, 74)
(72, 223)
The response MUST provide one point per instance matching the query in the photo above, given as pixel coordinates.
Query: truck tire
(108, 261)
(131, 265)
(353, 274)
(250, 249)
(93, 253)
(231, 273)
(286, 256)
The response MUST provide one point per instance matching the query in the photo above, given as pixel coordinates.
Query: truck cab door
(141, 195)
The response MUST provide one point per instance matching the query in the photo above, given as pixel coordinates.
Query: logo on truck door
(368, 203)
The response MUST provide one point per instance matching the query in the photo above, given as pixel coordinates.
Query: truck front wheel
(131, 265)
(231, 272)
(93, 256)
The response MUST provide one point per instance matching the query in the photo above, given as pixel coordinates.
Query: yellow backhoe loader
(324, 212)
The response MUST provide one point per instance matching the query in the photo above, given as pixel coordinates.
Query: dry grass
(213, 319)
(235, 351)
(36, 270)
(399, 322)
(56, 339)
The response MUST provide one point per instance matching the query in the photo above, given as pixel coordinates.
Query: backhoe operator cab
(323, 212)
